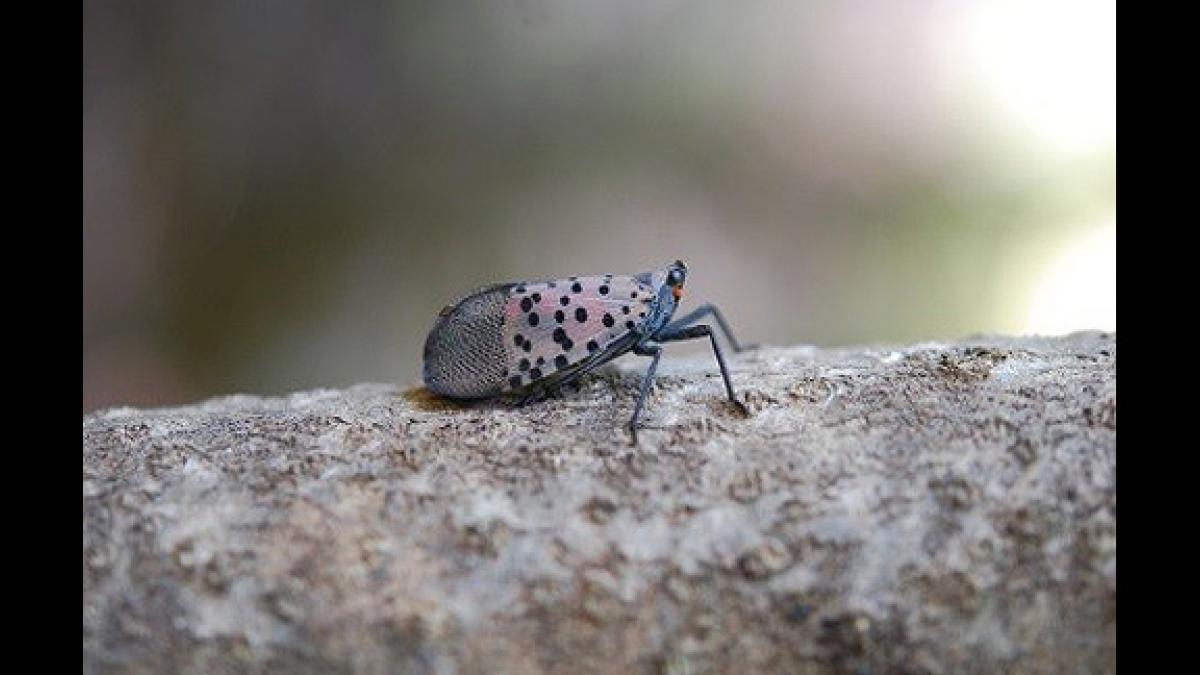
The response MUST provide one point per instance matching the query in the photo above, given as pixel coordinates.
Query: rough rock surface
(935, 508)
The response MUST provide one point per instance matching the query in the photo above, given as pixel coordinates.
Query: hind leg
(655, 352)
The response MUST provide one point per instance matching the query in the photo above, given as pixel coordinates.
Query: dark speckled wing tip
(464, 354)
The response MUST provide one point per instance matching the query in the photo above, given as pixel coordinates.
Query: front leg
(694, 332)
(701, 312)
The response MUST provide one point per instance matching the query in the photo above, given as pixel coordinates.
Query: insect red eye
(677, 291)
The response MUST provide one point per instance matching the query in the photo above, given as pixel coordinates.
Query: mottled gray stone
(934, 508)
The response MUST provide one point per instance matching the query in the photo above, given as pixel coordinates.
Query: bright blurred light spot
(1078, 289)
(1051, 64)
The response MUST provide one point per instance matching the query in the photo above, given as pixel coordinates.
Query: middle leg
(696, 332)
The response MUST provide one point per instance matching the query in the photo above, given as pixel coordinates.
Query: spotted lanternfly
(527, 339)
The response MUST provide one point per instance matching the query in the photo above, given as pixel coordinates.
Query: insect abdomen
(465, 354)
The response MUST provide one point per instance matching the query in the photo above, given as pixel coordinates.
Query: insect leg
(696, 332)
(548, 387)
(699, 313)
(534, 396)
(655, 352)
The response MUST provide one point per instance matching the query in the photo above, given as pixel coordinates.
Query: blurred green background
(282, 195)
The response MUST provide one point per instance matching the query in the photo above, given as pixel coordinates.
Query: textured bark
(940, 508)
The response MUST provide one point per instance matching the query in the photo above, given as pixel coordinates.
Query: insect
(527, 339)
